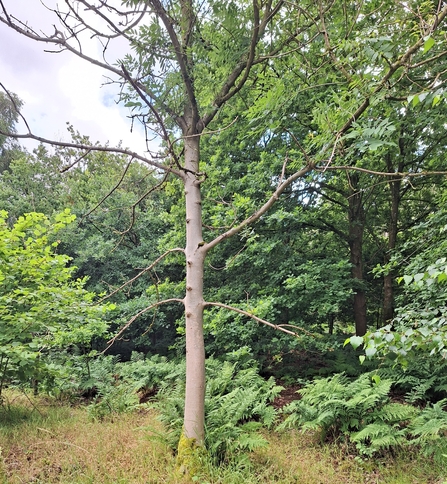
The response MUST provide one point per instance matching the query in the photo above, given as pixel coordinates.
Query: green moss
(191, 457)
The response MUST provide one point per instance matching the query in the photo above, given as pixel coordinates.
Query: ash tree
(188, 63)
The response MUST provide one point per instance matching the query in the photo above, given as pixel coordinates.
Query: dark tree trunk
(388, 287)
(356, 230)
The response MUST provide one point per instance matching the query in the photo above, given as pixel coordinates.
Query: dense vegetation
(322, 186)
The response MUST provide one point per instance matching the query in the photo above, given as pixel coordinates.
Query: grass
(45, 442)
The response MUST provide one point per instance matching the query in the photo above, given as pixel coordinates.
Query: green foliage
(429, 428)
(424, 379)
(359, 410)
(419, 325)
(112, 399)
(236, 406)
(41, 307)
(116, 387)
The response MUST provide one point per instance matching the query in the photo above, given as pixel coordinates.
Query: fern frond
(431, 423)
(395, 413)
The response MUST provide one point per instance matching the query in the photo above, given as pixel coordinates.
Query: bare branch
(151, 190)
(78, 159)
(140, 273)
(160, 121)
(109, 193)
(106, 149)
(11, 98)
(112, 25)
(408, 174)
(133, 318)
(261, 211)
(279, 327)
(59, 39)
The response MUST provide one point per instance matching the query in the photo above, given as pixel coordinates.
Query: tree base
(191, 457)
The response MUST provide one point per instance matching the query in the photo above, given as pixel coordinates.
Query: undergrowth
(361, 412)
(61, 444)
(237, 405)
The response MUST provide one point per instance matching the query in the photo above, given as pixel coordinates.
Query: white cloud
(61, 88)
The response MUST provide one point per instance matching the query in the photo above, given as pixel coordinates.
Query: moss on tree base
(191, 457)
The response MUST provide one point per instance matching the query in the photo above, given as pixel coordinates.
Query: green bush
(43, 310)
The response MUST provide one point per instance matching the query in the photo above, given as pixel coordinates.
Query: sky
(60, 88)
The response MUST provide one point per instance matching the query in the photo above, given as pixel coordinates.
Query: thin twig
(105, 197)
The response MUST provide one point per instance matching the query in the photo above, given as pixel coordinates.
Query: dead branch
(80, 146)
(134, 205)
(154, 111)
(133, 318)
(78, 159)
(105, 197)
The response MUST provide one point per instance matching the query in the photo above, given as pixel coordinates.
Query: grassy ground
(44, 442)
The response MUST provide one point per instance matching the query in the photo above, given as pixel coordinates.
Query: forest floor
(44, 442)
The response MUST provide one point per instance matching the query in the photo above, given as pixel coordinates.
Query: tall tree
(189, 62)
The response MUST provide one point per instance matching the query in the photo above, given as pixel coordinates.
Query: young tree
(42, 308)
(190, 61)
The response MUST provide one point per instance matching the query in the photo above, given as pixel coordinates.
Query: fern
(358, 409)
(395, 413)
(424, 379)
(430, 424)
(236, 406)
(377, 437)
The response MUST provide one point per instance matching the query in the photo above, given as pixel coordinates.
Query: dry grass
(62, 445)
(59, 444)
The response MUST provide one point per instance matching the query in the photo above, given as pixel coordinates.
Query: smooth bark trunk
(195, 256)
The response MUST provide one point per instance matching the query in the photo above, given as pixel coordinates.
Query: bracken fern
(236, 406)
(360, 410)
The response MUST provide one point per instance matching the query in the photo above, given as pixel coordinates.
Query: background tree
(9, 116)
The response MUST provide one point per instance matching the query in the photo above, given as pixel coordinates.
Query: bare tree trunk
(356, 229)
(195, 256)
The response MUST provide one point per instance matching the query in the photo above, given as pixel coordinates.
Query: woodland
(276, 266)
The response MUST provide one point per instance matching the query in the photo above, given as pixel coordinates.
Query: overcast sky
(60, 88)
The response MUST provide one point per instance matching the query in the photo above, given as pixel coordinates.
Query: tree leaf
(428, 44)
(355, 341)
